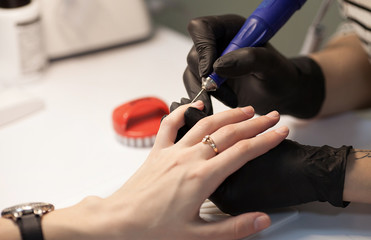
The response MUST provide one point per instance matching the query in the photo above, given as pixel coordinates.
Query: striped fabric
(358, 19)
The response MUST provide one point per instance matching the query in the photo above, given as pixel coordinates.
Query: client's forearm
(357, 186)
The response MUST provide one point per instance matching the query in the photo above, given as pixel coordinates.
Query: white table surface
(68, 149)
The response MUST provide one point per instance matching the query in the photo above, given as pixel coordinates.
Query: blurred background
(177, 13)
(37, 31)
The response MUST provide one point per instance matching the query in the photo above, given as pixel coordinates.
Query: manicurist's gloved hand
(257, 76)
(290, 174)
(191, 117)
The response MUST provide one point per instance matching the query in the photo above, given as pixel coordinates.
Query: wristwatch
(27, 216)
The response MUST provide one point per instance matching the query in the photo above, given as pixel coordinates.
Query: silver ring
(208, 140)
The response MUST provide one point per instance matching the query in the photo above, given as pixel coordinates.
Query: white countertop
(68, 149)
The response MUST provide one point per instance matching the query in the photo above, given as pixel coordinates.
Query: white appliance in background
(73, 27)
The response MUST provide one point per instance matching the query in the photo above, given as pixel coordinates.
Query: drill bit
(208, 84)
(199, 93)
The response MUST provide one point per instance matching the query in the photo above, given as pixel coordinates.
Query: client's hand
(163, 198)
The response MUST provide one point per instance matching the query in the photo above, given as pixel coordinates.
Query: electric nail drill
(258, 29)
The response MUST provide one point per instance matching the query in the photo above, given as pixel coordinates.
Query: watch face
(17, 211)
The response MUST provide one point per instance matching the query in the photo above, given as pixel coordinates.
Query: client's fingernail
(282, 130)
(248, 110)
(273, 114)
(261, 222)
(197, 104)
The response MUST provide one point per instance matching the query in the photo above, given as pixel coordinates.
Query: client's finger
(233, 158)
(228, 135)
(210, 124)
(236, 227)
(172, 123)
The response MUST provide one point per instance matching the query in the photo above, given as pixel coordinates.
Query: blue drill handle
(261, 26)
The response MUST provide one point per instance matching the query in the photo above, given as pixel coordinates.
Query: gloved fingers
(211, 35)
(226, 95)
(236, 227)
(175, 105)
(192, 84)
(192, 61)
(183, 130)
(191, 117)
(264, 62)
(171, 124)
(243, 61)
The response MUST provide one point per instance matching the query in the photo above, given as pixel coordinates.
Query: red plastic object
(137, 122)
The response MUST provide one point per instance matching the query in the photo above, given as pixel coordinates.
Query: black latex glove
(191, 117)
(288, 175)
(258, 76)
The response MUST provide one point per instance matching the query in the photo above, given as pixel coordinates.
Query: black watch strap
(30, 226)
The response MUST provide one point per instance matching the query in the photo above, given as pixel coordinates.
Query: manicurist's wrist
(357, 178)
